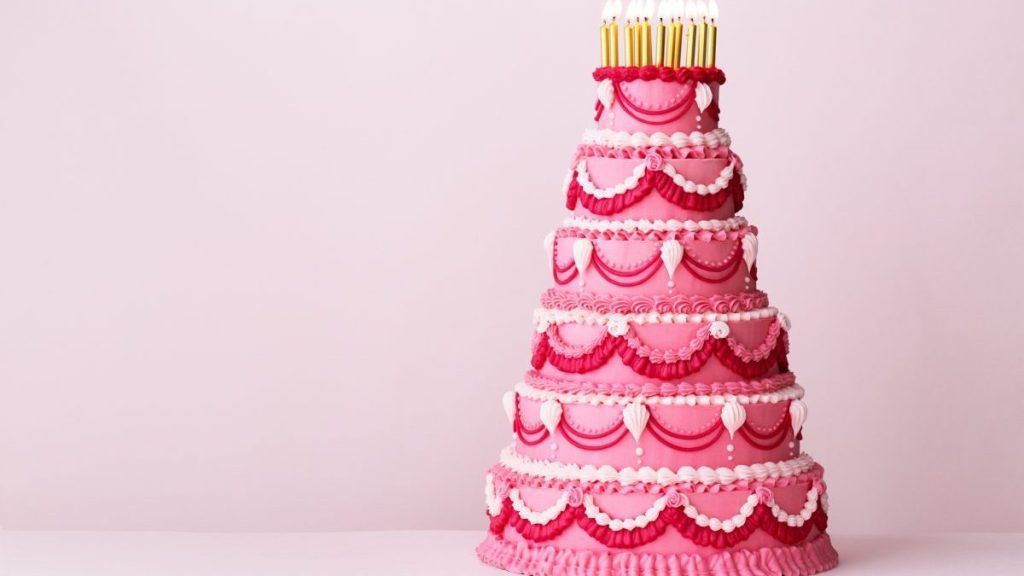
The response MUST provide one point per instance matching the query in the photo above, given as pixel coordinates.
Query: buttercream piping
(718, 138)
(645, 168)
(649, 226)
(692, 400)
(661, 389)
(660, 304)
(705, 475)
(546, 317)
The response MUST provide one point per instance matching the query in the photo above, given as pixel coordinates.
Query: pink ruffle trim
(803, 560)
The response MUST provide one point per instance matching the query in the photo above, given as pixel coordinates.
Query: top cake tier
(650, 100)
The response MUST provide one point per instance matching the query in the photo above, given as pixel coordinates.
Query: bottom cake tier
(552, 519)
(813, 557)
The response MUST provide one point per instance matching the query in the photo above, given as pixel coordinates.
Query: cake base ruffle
(810, 558)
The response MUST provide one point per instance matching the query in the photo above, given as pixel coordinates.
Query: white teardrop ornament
(582, 252)
(635, 417)
(704, 96)
(508, 402)
(671, 255)
(750, 245)
(734, 415)
(797, 416)
(551, 415)
(549, 248)
(606, 94)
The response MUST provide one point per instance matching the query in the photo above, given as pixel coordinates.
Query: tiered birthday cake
(658, 431)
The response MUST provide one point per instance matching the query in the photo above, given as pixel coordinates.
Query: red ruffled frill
(662, 184)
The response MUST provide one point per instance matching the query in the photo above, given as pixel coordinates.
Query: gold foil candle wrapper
(614, 46)
(702, 42)
(670, 45)
(712, 49)
(659, 46)
(691, 44)
(605, 60)
(638, 43)
(630, 45)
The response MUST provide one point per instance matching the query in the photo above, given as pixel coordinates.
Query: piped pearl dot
(792, 444)
(730, 458)
(639, 462)
(671, 283)
(747, 280)
(730, 448)
(554, 446)
(639, 451)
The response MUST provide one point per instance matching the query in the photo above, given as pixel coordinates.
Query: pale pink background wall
(270, 265)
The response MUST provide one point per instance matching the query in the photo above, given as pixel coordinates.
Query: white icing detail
(641, 521)
(719, 330)
(689, 186)
(784, 322)
(704, 96)
(799, 519)
(797, 415)
(538, 518)
(606, 94)
(582, 252)
(750, 250)
(594, 512)
(618, 325)
(648, 226)
(647, 475)
(546, 316)
(671, 256)
(492, 500)
(635, 417)
(784, 395)
(508, 402)
(551, 415)
(549, 248)
(733, 417)
(715, 139)
(727, 526)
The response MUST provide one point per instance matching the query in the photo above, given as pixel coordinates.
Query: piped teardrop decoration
(750, 244)
(551, 415)
(549, 248)
(797, 416)
(582, 253)
(606, 93)
(635, 417)
(671, 255)
(508, 402)
(734, 415)
(704, 96)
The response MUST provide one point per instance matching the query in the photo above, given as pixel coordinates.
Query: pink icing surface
(657, 95)
(610, 172)
(679, 419)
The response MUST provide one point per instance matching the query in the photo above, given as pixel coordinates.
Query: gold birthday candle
(659, 45)
(616, 12)
(630, 42)
(691, 33)
(678, 12)
(605, 45)
(702, 32)
(712, 50)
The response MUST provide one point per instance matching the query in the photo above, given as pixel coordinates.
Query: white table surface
(423, 553)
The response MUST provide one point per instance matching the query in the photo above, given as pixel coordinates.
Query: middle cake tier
(720, 430)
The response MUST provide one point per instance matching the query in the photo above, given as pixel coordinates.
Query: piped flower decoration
(618, 325)
(719, 330)
(575, 496)
(655, 162)
(674, 499)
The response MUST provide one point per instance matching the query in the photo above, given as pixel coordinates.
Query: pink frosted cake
(658, 430)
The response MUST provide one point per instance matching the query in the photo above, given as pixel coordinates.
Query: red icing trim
(642, 364)
(761, 519)
(762, 440)
(667, 152)
(641, 274)
(677, 111)
(662, 184)
(648, 73)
